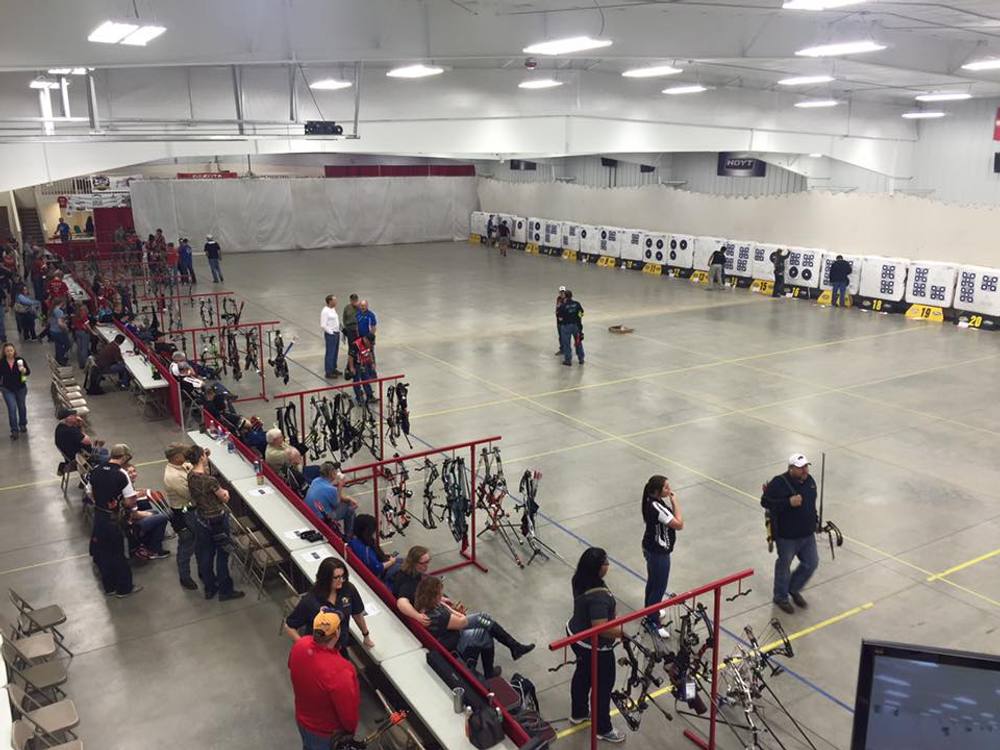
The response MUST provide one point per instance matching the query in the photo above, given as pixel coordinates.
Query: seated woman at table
(470, 636)
(333, 590)
(365, 545)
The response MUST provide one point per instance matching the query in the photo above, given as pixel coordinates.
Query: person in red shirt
(327, 697)
(57, 287)
(82, 332)
(173, 257)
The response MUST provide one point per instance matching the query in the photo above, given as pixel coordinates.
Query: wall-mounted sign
(117, 184)
(740, 166)
(225, 175)
(90, 201)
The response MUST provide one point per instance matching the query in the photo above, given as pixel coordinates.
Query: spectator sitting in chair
(109, 360)
(333, 590)
(71, 439)
(148, 524)
(326, 496)
(279, 455)
(182, 370)
(219, 403)
(365, 545)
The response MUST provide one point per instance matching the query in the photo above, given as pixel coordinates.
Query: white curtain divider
(281, 214)
(850, 223)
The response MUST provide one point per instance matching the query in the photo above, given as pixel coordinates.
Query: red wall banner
(399, 170)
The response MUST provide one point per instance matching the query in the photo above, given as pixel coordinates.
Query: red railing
(593, 636)
(515, 732)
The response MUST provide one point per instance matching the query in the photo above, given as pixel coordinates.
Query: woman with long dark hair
(593, 604)
(333, 590)
(661, 514)
(365, 545)
(14, 372)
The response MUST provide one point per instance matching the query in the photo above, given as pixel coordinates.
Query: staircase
(31, 229)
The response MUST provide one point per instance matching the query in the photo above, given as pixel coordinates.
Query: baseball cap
(209, 237)
(64, 412)
(798, 460)
(121, 450)
(562, 289)
(327, 622)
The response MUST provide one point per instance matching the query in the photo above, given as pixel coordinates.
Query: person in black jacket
(840, 274)
(717, 269)
(569, 316)
(661, 513)
(14, 372)
(790, 500)
(778, 260)
(214, 254)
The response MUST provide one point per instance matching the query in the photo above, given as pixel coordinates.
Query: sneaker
(800, 601)
(209, 594)
(15, 435)
(189, 584)
(574, 720)
(558, 353)
(663, 632)
(135, 590)
(231, 595)
(615, 735)
(567, 364)
(785, 606)
(159, 555)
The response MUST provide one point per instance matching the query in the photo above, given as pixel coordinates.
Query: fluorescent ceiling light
(804, 80)
(949, 706)
(330, 84)
(418, 70)
(817, 103)
(891, 680)
(991, 64)
(111, 32)
(816, 155)
(67, 71)
(966, 701)
(818, 4)
(539, 83)
(897, 693)
(692, 89)
(653, 71)
(566, 46)
(943, 97)
(840, 48)
(934, 711)
(43, 83)
(922, 115)
(143, 36)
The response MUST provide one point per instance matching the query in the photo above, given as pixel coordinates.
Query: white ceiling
(724, 43)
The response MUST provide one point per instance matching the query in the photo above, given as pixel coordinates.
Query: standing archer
(790, 500)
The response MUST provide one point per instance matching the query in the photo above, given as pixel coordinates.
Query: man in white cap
(560, 298)
(790, 501)
(214, 254)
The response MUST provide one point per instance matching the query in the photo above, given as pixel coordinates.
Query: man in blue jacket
(185, 262)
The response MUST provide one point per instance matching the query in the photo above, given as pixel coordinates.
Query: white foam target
(611, 238)
(590, 239)
(680, 252)
(931, 283)
(703, 249)
(739, 258)
(570, 236)
(536, 230)
(477, 223)
(978, 290)
(853, 281)
(883, 278)
(552, 234)
(630, 244)
(803, 267)
(655, 248)
(519, 230)
(763, 260)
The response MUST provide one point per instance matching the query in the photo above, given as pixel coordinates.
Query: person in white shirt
(329, 321)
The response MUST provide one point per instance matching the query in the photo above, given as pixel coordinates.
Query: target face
(978, 290)
(803, 265)
(931, 283)
(853, 281)
(681, 250)
(883, 278)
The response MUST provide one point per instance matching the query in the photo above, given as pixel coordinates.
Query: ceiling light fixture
(991, 64)
(816, 155)
(111, 32)
(330, 84)
(804, 80)
(43, 83)
(818, 4)
(817, 103)
(566, 46)
(539, 83)
(143, 36)
(840, 48)
(653, 71)
(943, 97)
(67, 71)
(419, 70)
(691, 89)
(922, 115)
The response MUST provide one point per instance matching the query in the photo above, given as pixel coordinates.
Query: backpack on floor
(526, 692)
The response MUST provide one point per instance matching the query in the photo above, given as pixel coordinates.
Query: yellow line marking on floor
(612, 437)
(963, 566)
(43, 564)
(820, 625)
(41, 482)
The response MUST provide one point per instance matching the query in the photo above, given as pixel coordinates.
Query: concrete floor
(713, 389)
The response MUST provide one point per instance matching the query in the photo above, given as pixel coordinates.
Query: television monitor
(925, 698)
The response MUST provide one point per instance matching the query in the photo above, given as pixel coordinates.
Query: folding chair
(64, 470)
(83, 468)
(244, 541)
(39, 619)
(44, 678)
(59, 718)
(22, 733)
(262, 561)
(32, 648)
(289, 603)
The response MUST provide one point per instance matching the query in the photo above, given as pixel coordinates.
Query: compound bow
(457, 503)
(393, 509)
(634, 697)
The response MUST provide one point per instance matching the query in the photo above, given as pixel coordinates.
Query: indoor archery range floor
(714, 389)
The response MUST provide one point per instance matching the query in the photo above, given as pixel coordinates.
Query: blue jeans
(212, 552)
(568, 336)
(787, 581)
(119, 369)
(62, 343)
(389, 573)
(152, 530)
(476, 634)
(363, 372)
(17, 412)
(82, 348)
(657, 575)
(839, 290)
(313, 741)
(345, 513)
(213, 263)
(184, 523)
(332, 350)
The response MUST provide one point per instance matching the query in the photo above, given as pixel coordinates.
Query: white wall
(894, 225)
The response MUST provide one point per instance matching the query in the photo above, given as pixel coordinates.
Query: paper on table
(262, 490)
(371, 608)
(310, 555)
(293, 534)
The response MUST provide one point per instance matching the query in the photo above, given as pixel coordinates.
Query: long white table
(275, 512)
(139, 368)
(75, 290)
(232, 466)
